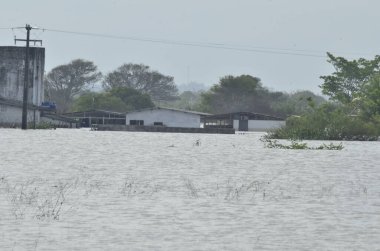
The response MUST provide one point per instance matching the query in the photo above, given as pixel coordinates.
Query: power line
(194, 44)
(224, 46)
(258, 49)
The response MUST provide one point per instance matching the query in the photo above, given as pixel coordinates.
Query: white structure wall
(236, 124)
(264, 125)
(170, 118)
(260, 125)
(12, 67)
(11, 115)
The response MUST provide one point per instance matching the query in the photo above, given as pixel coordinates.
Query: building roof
(94, 113)
(250, 115)
(171, 109)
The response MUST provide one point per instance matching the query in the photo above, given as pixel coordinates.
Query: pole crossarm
(35, 41)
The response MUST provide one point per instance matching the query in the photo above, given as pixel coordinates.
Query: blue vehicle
(49, 105)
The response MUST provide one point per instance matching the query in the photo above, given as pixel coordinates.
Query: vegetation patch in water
(299, 145)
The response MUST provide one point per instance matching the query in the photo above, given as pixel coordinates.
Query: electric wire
(258, 49)
(192, 44)
(223, 46)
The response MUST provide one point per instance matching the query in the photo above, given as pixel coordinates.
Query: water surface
(91, 190)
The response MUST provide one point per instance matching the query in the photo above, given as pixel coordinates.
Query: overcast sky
(283, 42)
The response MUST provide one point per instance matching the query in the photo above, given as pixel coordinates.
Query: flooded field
(90, 190)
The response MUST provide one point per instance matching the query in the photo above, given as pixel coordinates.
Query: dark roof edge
(244, 113)
(94, 110)
(170, 109)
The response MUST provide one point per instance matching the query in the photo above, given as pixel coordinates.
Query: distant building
(243, 121)
(97, 117)
(167, 117)
(12, 65)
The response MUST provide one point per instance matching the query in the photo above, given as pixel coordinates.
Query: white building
(244, 121)
(168, 117)
(12, 65)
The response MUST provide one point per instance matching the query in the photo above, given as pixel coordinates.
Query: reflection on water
(90, 190)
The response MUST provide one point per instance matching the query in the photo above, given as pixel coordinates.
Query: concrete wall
(163, 129)
(236, 124)
(12, 61)
(261, 125)
(167, 117)
(11, 115)
(12, 65)
(264, 125)
(57, 123)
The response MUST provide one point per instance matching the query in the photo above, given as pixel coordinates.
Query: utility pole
(24, 121)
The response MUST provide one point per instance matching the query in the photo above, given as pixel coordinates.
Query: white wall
(236, 124)
(261, 125)
(167, 117)
(13, 115)
(12, 60)
(264, 125)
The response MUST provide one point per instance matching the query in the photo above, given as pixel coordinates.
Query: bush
(328, 123)
(42, 125)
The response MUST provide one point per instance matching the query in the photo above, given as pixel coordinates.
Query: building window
(158, 123)
(136, 122)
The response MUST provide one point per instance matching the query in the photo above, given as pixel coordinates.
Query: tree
(193, 87)
(187, 100)
(297, 103)
(132, 98)
(370, 97)
(102, 101)
(329, 121)
(242, 93)
(64, 82)
(349, 77)
(356, 86)
(120, 99)
(142, 78)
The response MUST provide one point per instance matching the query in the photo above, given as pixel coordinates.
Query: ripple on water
(80, 189)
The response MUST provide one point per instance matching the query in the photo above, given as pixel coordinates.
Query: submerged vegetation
(298, 145)
(43, 125)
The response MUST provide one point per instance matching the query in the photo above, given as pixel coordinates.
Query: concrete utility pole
(24, 121)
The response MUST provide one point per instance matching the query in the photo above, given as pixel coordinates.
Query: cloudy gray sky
(283, 42)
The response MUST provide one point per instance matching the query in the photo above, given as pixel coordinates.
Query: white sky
(349, 28)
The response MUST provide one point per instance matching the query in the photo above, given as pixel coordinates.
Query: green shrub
(42, 125)
(328, 123)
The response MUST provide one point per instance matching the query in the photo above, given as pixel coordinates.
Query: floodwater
(89, 190)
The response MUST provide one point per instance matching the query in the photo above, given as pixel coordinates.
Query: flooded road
(91, 190)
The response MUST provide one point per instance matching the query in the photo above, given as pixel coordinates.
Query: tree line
(136, 86)
(351, 112)
(130, 86)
